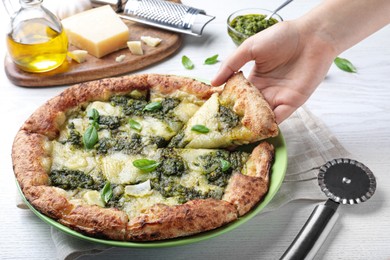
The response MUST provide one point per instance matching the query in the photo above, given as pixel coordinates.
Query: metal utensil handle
(313, 233)
(277, 9)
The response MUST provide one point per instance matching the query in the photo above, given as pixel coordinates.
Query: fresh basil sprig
(90, 136)
(200, 129)
(211, 60)
(106, 193)
(135, 125)
(345, 65)
(146, 165)
(153, 106)
(225, 165)
(187, 63)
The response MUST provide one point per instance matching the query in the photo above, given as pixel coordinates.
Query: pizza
(147, 157)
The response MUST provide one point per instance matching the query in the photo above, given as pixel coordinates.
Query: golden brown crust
(51, 201)
(92, 220)
(27, 157)
(245, 191)
(97, 222)
(163, 222)
(260, 161)
(248, 102)
(31, 162)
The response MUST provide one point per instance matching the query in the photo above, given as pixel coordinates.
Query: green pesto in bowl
(243, 24)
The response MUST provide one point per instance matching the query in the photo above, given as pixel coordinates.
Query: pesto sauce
(178, 141)
(73, 179)
(213, 167)
(169, 187)
(228, 118)
(249, 25)
(125, 144)
(171, 164)
(74, 137)
(111, 122)
(135, 107)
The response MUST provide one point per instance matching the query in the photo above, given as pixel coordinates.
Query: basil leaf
(187, 63)
(135, 125)
(225, 165)
(146, 165)
(153, 106)
(211, 60)
(93, 114)
(90, 137)
(345, 65)
(106, 192)
(200, 129)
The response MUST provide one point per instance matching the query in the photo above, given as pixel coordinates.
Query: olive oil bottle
(36, 41)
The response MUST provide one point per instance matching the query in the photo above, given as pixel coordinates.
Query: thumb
(234, 62)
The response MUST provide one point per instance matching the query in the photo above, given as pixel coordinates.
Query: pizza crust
(248, 102)
(246, 190)
(163, 222)
(29, 158)
(31, 163)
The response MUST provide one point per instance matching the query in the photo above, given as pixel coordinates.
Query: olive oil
(34, 46)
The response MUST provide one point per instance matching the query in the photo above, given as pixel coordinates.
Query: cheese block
(99, 31)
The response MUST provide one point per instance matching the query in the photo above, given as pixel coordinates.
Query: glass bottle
(36, 41)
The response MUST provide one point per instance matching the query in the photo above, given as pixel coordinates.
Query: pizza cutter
(344, 181)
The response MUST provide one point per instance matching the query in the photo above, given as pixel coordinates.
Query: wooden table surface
(355, 107)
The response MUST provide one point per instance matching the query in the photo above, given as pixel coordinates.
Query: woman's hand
(292, 58)
(289, 64)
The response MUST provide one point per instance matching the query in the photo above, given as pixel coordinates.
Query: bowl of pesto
(244, 23)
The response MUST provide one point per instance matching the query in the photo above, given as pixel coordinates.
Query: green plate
(277, 175)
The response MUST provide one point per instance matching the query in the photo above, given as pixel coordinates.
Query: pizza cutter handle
(313, 233)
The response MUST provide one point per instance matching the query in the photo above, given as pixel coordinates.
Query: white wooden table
(356, 108)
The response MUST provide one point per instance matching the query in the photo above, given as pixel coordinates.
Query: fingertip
(222, 75)
(282, 113)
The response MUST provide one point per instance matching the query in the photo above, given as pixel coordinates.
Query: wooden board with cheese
(71, 72)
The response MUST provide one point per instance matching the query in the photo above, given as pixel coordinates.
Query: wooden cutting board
(71, 72)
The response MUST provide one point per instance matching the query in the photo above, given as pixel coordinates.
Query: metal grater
(167, 15)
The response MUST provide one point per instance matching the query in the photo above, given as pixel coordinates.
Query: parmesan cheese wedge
(99, 31)
(135, 47)
(78, 55)
(151, 41)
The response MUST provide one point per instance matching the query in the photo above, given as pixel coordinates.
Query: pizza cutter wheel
(344, 181)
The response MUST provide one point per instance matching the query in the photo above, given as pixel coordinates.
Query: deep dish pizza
(147, 157)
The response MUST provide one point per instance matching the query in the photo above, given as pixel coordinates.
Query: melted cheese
(185, 110)
(65, 156)
(196, 176)
(134, 206)
(105, 109)
(93, 197)
(118, 168)
(207, 115)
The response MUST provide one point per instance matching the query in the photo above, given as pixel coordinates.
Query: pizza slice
(238, 115)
